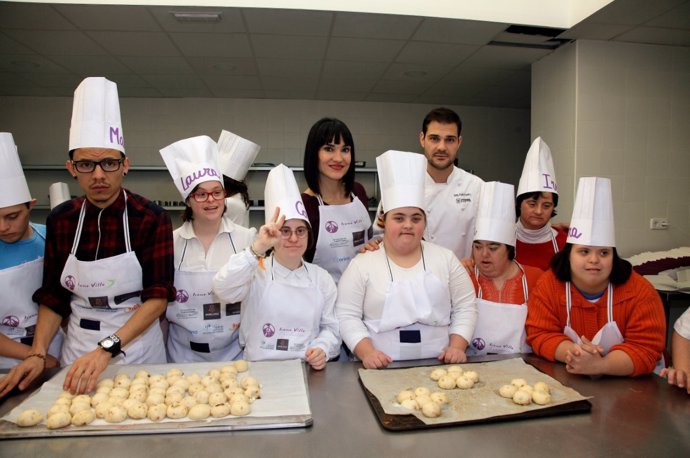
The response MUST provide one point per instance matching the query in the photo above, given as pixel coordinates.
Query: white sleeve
(349, 307)
(463, 315)
(329, 334)
(233, 281)
(682, 325)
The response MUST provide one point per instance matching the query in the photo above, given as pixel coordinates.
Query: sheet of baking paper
(283, 391)
(480, 402)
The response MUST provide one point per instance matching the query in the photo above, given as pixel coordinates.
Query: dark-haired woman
(336, 205)
(201, 327)
(591, 311)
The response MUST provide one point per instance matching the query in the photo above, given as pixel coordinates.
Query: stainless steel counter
(629, 417)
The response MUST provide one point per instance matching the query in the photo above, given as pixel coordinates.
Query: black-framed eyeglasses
(300, 232)
(107, 165)
(202, 196)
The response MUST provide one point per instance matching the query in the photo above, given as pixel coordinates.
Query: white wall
(495, 140)
(623, 113)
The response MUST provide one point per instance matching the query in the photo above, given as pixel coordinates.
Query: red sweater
(637, 310)
(512, 289)
(539, 254)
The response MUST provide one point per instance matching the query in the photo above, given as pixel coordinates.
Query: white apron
(105, 294)
(343, 230)
(202, 328)
(608, 336)
(415, 318)
(17, 311)
(287, 319)
(500, 327)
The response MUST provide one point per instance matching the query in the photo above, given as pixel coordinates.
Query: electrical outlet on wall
(656, 224)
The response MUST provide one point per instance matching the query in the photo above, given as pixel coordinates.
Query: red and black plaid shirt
(150, 235)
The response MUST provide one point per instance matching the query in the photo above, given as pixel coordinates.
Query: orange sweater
(512, 288)
(637, 310)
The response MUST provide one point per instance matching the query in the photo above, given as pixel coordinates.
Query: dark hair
(560, 265)
(444, 116)
(322, 132)
(233, 187)
(188, 214)
(511, 251)
(534, 195)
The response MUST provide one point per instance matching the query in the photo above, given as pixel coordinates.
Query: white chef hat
(192, 161)
(96, 116)
(13, 187)
(236, 155)
(282, 191)
(58, 193)
(401, 175)
(592, 221)
(496, 214)
(538, 174)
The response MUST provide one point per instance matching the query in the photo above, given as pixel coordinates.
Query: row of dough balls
(421, 398)
(454, 377)
(524, 394)
(217, 394)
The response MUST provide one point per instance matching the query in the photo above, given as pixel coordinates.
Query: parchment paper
(480, 402)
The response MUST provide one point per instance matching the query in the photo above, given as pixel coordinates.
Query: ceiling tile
(230, 22)
(212, 44)
(24, 63)
(656, 35)
(347, 84)
(340, 95)
(363, 49)
(157, 65)
(347, 69)
(288, 47)
(392, 27)
(56, 80)
(110, 17)
(227, 82)
(677, 18)
(223, 66)
(392, 98)
(401, 87)
(415, 73)
(11, 46)
(291, 94)
(276, 83)
(31, 16)
(508, 57)
(93, 65)
(135, 43)
(458, 31)
(289, 68)
(178, 85)
(288, 22)
(446, 54)
(58, 42)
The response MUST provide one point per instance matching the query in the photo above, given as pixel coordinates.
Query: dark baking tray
(410, 422)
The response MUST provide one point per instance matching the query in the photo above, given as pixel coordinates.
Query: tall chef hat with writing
(401, 175)
(538, 173)
(282, 191)
(592, 221)
(96, 116)
(236, 155)
(13, 187)
(191, 162)
(496, 214)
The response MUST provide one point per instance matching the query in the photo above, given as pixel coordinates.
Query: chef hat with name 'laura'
(592, 221)
(13, 187)
(496, 214)
(192, 161)
(282, 191)
(96, 116)
(401, 175)
(538, 173)
(236, 155)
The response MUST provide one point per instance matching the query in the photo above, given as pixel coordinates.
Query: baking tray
(396, 422)
(269, 373)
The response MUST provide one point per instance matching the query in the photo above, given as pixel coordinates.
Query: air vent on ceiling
(521, 36)
(197, 16)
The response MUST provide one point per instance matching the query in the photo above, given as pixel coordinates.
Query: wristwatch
(111, 344)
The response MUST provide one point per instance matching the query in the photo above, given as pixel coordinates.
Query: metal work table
(629, 417)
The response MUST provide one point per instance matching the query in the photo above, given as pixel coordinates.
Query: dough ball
(120, 376)
(193, 378)
(83, 417)
(175, 372)
(102, 409)
(141, 374)
(221, 410)
(431, 410)
(234, 390)
(238, 398)
(202, 397)
(421, 400)
(518, 382)
(98, 398)
(58, 420)
(128, 402)
(29, 417)
(64, 402)
(207, 380)
(229, 383)
(137, 410)
(439, 397)
(436, 374)
(472, 375)
(105, 382)
(464, 382)
(522, 397)
(161, 384)
(123, 382)
(541, 386)
(454, 368)
(81, 398)
(409, 404)
(216, 398)
(229, 369)
(240, 408)
(215, 373)
(119, 392)
(173, 378)
(541, 397)
(422, 391)
(199, 412)
(104, 389)
(507, 391)
(247, 381)
(139, 384)
(155, 378)
(405, 395)
(527, 388)
(67, 395)
(214, 388)
(79, 406)
(182, 384)
(157, 412)
(253, 393)
(177, 411)
(140, 395)
(174, 397)
(447, 382)
(194, 388)
(155, 398)
(189, 401)
(55, 408)
(241, 365)
(157, 391)
(116, 414)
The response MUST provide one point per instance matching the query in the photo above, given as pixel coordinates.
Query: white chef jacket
(682, 325)
(196, 259)
(451, 211)
(242, 280)
(363, 286)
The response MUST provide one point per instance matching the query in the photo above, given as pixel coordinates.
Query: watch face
(107, 343)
